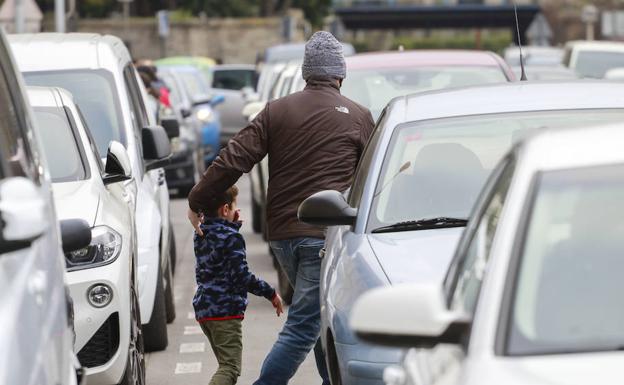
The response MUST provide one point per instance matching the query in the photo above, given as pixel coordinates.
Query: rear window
(60, 146)
(234, 79)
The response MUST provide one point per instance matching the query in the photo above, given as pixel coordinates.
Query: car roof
(47, 96)
(423, 58)
(508, 97)
(57, 51)
(568, 148)
(598, 45)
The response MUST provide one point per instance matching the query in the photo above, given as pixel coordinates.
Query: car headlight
(104, 248)
(205, 115)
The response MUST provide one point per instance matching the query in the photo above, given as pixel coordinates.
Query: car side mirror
(22, 214)
(407, 315)
(156, 147)
(185, 112)
(75, 234)
(216, 100)
(171, 126)
(118, 167)
(326, 208)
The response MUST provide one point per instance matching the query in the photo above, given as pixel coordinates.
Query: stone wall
(230, 40)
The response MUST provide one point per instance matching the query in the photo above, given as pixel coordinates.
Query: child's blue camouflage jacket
(222, 274)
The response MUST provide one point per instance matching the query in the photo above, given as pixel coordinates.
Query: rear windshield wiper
(423, 224)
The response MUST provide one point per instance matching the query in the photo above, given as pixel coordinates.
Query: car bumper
(95, 327)
(181, 170)
(364, 364)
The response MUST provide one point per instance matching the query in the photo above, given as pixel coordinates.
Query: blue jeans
(299, 257)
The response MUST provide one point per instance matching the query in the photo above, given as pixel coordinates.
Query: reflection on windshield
(94, 92)
(375, 88)
(451, 158)
(568, 295)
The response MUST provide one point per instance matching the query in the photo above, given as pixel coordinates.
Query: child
(223, 280)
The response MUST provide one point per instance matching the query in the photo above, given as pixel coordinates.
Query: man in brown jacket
(314, 139)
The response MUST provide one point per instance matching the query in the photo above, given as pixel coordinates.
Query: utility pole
(59, 15)
(19, 16)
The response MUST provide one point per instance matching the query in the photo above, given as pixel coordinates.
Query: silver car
(416, 183)
(533, 295)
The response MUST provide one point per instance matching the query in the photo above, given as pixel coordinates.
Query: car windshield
(234, 79)
(437, 168)
(60, 147)
(595, 64)
(568, 295)
(96, 93)
(374, 88)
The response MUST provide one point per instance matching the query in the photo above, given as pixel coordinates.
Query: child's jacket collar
(217, 222)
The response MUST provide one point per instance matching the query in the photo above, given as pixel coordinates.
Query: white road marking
(190, 315)
(188, 367)
(193, 347)
(192, 330)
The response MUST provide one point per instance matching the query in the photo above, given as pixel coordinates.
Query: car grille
(103, 345)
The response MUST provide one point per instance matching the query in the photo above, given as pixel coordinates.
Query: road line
(190, 315)
(188, 367)
(192, 330)
(193, 347)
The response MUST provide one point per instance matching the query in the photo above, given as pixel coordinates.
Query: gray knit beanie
(323, 58)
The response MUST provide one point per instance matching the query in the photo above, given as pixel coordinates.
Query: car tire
(256, 216)
(134, 373)
(172, 251)
(169, 297)
(155, 332)
(332, 362)
(285, 288)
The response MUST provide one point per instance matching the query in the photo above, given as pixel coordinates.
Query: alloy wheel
(136, 354)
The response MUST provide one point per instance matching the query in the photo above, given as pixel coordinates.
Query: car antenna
(523, 76)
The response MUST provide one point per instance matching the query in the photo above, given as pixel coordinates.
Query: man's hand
(277, 304)
(195, 220)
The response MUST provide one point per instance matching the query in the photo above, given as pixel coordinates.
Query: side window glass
(363, 168)
(91, 141)
(137, 110)
(472, 266)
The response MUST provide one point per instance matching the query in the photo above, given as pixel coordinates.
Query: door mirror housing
(22, 214)
(407, 315)
(156, 147)
(171, 126)
(327, 208)
(75, 234)
(216, 100)
(118, 167)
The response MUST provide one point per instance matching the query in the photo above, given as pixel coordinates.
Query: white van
(98, 71)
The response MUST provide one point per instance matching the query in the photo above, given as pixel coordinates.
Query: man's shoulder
(354, 106)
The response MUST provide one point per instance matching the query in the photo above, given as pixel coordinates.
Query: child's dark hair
(226, 197)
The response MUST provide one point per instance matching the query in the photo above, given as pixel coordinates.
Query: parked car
(101, 276)
(200, 104)
(592, 59)
(36, 313)
(204, 64)
(533, 292)
(416, 183)
(541, 73)
(229, 80)
(534, 56)
(98, 71)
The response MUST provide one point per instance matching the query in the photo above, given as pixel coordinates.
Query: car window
(437, 168)
(594, 64)
(92, 143)
(568, 287)
(363, 169)
(96, 93)
(233, 79)
(470, 264)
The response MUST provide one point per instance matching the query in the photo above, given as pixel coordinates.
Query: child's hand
(196, 220)
(277, 304)
(237, 217)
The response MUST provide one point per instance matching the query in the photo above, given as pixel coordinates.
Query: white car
(35, 311)
(102, 276)
(98, 71)
(592, 59)
(533, 295)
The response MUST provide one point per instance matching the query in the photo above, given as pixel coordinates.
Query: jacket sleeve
(368, 124)
(239, 269)
(242, 152)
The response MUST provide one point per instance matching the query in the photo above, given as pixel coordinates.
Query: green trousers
(226, 339)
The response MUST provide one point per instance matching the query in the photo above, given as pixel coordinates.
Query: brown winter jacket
(314, 139)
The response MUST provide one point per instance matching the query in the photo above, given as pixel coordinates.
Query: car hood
(76, 200)
(415, 256)
(565, 369)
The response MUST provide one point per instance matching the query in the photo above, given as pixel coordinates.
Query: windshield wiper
(423, 224)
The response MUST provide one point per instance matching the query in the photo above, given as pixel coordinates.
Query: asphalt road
(189, 360)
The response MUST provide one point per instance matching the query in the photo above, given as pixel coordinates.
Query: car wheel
(172, 251)
(169, 298)
(135, 365)
(155, 332)
(332, 362)
(256, 216)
